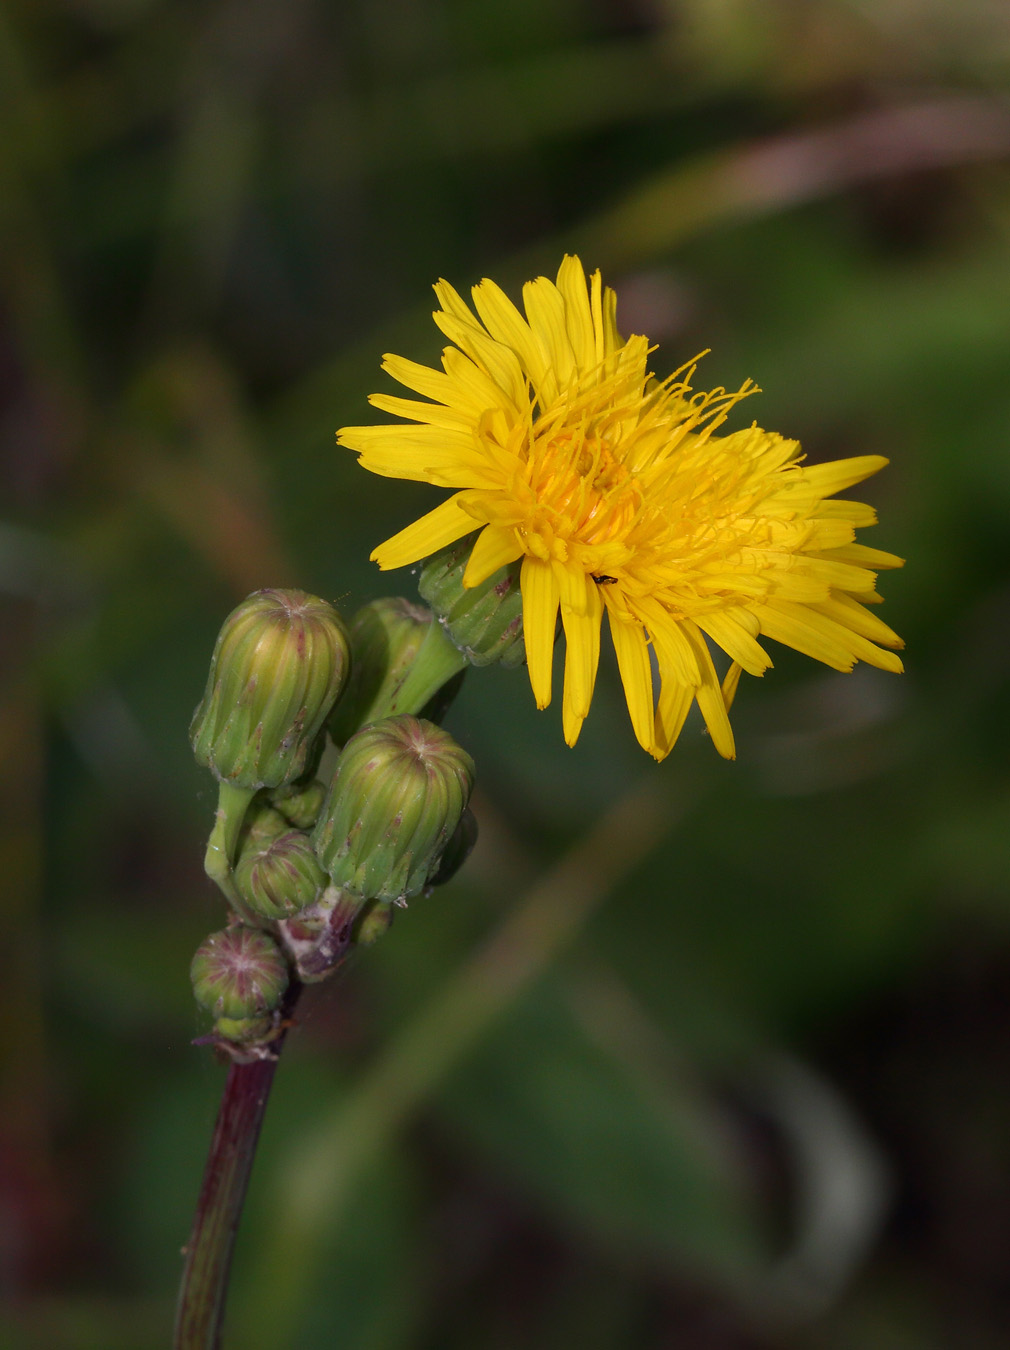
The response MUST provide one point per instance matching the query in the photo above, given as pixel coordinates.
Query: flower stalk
(208, 1252)
(281, 662)
(232, 805)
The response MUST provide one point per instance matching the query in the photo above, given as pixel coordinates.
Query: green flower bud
(280, 877)
(374, 922)
(400, 788)
(239, 973)
(280, 661)
(457, 850)
(385, 636)
(244, 1030)
(402, 662)
(485, 622)
(300, 806)
(262, 823)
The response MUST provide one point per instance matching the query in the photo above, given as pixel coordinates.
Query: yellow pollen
(582, 490)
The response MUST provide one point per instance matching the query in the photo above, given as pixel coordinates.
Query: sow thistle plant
(582, 485)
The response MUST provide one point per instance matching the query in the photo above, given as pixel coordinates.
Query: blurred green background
(700, 1055)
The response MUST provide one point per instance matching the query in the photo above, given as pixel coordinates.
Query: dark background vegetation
(758, 1094)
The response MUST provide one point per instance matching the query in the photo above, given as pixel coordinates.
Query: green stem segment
(232, 804)
(208, 1253)
(435, 664)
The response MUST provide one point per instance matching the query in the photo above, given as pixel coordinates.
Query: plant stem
(435, 664)
(232, 804)
(208, 1253)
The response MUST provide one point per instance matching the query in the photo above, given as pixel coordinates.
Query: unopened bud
(240, 976)
(385, 637)
(400, 788)
(300, 806)
(485, 622)
(280, 661)
(374, 922)
(280, 877)
(262, 823)
(245, 1030)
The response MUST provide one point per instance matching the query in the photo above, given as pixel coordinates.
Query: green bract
(400, 788)
(486, 621)
(280, 661)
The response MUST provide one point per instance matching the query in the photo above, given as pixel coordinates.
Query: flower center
(583, 491)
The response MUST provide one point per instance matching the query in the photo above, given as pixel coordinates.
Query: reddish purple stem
(208, 1253)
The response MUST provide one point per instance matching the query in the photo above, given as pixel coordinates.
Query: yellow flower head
(619, 497)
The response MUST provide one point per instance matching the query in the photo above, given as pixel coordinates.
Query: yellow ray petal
(825, 533)
(577, 592)
(582, 641)
(545, 309)
(494, 358)
(839, 508)
(730, 682)
(504, 322)
(421, 438)
(447, 473)
(612, 339)
(578, 316)
(674, 704)
(436, 530)
(434, 414)
(851, 638)
(829, 567)
(675, 654)
(851, 614)
(723, 627)
(827, 479)
(425, 454)
(452, 302)
(494, 548)
(803, 629)
(433, 384)
(472, 385)
(600, 348)
(858, 555)
(635, 668)
(709, 694)
(540, 613)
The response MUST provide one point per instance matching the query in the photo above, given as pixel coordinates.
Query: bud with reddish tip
(240, 976)
(280, 661)
(279, 877)
(485, 622)
(400, 788)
